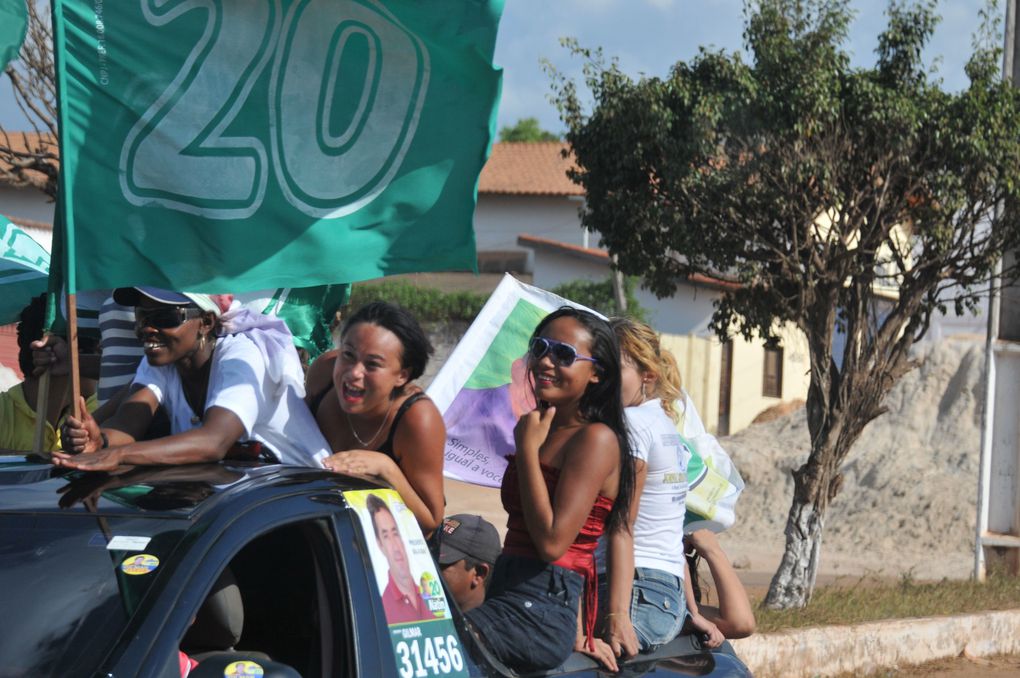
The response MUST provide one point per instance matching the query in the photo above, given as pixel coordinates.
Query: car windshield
(70, 585)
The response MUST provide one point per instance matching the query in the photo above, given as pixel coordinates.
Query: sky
(649, 36)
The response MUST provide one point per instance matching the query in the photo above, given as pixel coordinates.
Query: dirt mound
(910, 491)
(778, 411)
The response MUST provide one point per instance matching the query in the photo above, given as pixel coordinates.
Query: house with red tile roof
(20, 201)
(524, 188)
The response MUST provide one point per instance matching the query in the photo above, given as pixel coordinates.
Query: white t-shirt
(659, 528)
(237, 382)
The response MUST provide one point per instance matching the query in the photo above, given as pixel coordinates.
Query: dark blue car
(253, 570)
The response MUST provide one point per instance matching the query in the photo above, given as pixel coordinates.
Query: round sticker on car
(140, 564)
(242, 669)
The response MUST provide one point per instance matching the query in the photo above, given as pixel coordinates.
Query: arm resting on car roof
(220, 429)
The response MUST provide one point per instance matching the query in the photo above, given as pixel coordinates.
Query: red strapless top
(580, 557)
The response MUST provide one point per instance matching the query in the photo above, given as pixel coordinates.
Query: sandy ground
(909, 497)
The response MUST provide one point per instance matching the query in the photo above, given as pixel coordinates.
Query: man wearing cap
(468, 550)
(224, 375)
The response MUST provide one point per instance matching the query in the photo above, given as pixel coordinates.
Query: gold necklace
(367, 443)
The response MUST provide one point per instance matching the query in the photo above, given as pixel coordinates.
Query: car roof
(31, 485)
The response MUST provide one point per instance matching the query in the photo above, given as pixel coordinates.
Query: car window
(279, 598)
(71, 585)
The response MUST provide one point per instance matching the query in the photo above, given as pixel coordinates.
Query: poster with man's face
(422, 632)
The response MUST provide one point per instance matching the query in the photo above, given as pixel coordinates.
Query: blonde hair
(640, 343)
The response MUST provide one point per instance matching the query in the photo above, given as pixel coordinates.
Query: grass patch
(869, 599)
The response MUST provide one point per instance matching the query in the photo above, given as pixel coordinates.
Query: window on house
(772, 384)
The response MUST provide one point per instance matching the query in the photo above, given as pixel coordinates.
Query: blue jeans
(657, 606)
(529, 617)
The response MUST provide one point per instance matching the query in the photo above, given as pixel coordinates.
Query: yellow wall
(700, 361)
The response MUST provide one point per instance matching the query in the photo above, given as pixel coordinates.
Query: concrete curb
(831, 650)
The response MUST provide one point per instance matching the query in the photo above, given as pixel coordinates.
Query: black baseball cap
(468, 536)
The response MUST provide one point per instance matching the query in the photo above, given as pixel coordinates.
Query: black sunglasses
(164, 317)
(560, 353)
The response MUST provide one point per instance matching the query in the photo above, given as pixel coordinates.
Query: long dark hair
(602, 402)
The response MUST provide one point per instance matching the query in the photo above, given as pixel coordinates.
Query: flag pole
(72, 347)
(64, 206)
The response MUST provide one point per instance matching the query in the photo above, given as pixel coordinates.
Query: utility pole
(997, 543)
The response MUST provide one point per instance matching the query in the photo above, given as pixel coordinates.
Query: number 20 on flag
(179, 155)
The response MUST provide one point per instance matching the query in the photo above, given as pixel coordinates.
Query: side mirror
(241, 665)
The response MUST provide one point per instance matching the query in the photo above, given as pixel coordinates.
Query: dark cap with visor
(132, 296)
(468, 536)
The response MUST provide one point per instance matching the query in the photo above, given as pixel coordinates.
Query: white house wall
(746, 399)
(25, 203)
(688, 312)
(499, 219)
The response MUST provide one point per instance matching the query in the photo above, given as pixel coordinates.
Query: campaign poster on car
(422, 633)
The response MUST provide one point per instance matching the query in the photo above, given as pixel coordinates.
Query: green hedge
(429, 304)
(426, 303)
(599, 296)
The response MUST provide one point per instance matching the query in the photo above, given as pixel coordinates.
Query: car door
(283, 555)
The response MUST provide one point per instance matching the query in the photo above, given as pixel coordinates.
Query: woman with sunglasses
(229, 380)
(374, 418)
(570, 480)
(646, 605)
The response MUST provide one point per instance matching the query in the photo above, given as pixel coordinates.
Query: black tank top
(387, 447)
(433, 542)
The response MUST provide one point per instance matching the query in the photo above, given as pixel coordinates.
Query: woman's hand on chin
(362, 463)
(532, 429)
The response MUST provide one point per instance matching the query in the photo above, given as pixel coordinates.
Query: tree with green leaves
(527, 129)
(601, 296)
(816, 185)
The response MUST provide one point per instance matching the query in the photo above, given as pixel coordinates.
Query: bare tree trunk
(619, 293)
(815, 483)
(794, 581)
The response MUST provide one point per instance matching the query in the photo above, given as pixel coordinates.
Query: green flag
(13, 24)
(235, 145)
(24, 265)
(308, 312)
